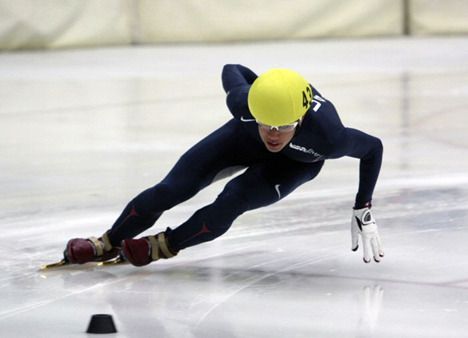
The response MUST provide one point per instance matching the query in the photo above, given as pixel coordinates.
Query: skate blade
(115, 261)
(63, 262)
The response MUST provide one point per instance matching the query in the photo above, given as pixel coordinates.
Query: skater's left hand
(363, 224)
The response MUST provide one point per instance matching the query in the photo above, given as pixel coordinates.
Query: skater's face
(276, 138)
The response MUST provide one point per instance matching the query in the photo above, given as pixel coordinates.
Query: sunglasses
(282, 129)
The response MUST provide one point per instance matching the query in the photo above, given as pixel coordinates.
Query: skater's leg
(259, 186)
(196, 169)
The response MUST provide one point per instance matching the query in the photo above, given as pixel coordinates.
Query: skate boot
(81, 250)
(147, 249)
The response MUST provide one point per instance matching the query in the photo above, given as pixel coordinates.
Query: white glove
(363, 224)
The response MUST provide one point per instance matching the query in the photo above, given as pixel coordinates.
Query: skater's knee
(229, 205)
(217, 219)
(234, 196)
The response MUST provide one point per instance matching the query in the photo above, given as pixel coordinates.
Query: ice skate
(92, 249)
(147, 249)
(84, 250)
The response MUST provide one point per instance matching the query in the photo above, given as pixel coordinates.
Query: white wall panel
(63, 23)
(239, 20)
(30, 24)
(439, 17)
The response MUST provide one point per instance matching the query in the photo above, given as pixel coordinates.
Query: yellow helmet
(279, 97)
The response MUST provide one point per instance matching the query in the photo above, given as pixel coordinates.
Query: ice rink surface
(82, 132)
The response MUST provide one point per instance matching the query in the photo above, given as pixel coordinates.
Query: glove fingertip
(355, 249)
(367, 261)
(376, 260)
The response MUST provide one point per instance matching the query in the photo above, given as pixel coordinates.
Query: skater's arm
(234, 76)
(236, 82)
(369, 150)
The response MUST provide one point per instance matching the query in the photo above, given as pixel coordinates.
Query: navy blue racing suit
(268, 177)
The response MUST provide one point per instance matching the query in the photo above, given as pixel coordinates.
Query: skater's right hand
(363, 224)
